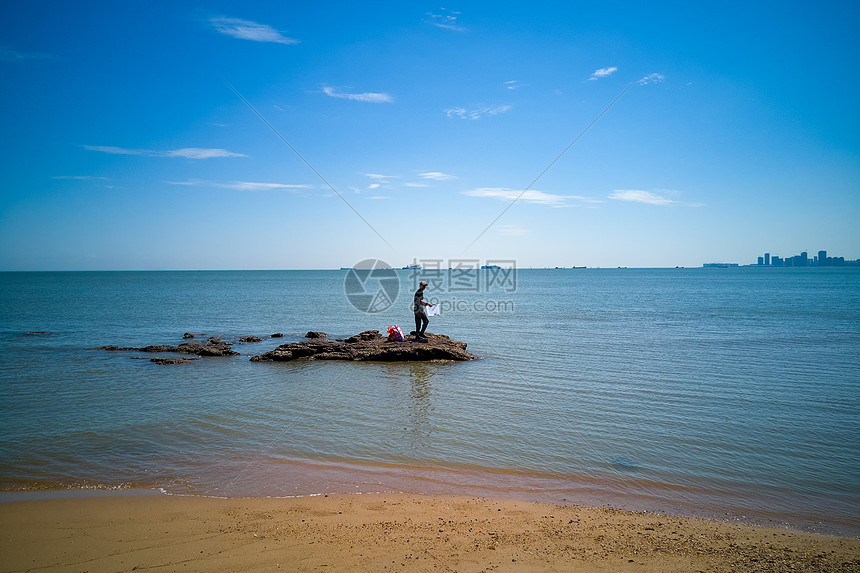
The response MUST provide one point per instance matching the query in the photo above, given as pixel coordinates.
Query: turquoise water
(718, 392)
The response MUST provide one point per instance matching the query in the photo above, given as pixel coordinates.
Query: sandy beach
(380, 532)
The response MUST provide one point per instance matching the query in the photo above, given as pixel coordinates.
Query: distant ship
(411, 268)
(494, 267)
(346, 268)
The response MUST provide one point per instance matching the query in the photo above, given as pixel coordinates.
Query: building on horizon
(803, 260)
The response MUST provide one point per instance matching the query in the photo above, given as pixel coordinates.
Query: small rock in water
(313, 334)
(170, 361)
(246, 339)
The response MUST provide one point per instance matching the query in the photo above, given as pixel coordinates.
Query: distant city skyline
(802, 260)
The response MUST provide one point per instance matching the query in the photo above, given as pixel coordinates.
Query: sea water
(717, 392)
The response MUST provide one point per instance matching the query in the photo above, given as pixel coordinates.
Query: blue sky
(414, 125)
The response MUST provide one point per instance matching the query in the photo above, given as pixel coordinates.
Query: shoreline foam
(282, 478)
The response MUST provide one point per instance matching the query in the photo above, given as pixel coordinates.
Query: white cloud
(447, 19)
(379, 180)
(201, 153)
(639, 196)
(603, 73)
(512, 230)
(368, 97)
(10, 55)
(512, 84)
(417, 184)
(240, 185)
(117, 150)
(436, 176)
(186, 152)
(652, 79)
(378, 197)
(530, 196)
(81, 177)
(254, 186)
(478, 112)
(247, 30)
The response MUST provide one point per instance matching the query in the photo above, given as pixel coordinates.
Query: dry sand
(390, 532)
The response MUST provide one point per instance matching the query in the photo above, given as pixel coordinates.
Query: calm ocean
(728, 393)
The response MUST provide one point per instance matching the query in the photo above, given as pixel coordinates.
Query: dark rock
(175, 360)
(209, 349)
(364, 336)
(216, 348)
(278, 335)
(187, 335)
(158, 348)
(246, 339)
(370, 346)
(313, 334)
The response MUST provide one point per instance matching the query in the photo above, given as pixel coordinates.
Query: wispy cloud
(436, 176)
(603, 73)
(255, 186)
(652, 79)
(478, 112)
(378, 197)
(186, 152)
(446, 19)
(201, 153)
(638, 196)
(413, 184)
(10, 55)
(117, 150)
(512, 85)
(512, 230)
(81, 177)
(530, 196)
(379, 180)
(369, 97)
(247, 30)
(240, 185)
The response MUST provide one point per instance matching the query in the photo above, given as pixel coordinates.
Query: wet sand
(390, 532)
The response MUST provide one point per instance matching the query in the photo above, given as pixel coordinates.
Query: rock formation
(370, 345)
(213, 347)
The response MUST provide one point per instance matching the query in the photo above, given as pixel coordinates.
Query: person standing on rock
(418, 304)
